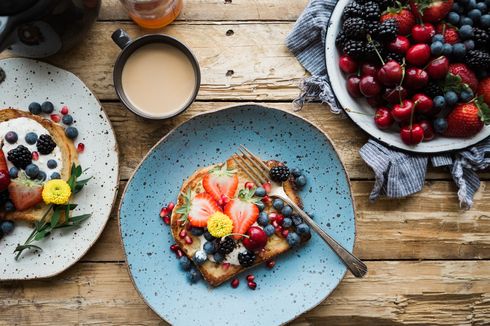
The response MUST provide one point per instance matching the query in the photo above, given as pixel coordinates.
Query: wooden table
(428, 260)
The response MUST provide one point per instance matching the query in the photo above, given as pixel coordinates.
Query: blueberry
(475, 15)
(453, 18)
(469, 44)
(55, 175)
(200, 257)
(13, 172)
(35, 108)
(193, 276)
(447, 49)
(439, 102)
(440, 125)
(71, 132)
(295, 172)
(287, 222)
(263, 219)
(52, 164)
(482, 7)
(297, 220)
(458, 8)
(260, 205)
(471, 5)
(11, 137)
(260, 192)
(303, 228)
(436, 48)
(197, 231)
(31, 138)
(300, 181)
(451, 98)
(459, 51)
(208, 236)
(293, 239)
(47, 107)
(9, 206)
(438, 38)
(218, 257)
(67, 119)
(466, 21)
(278, 204)
(185, 263)
(7, 226)
(287, 211)
(209, 247)
(466, 95)
(32, 170)
(466, 32)
(485, 21)
(41, 176)
(269, 230)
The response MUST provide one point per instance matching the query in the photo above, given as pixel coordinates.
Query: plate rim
(461, 143)
(228, 107)
(118, 176)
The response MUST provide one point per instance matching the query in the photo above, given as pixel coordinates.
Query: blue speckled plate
(301, 279)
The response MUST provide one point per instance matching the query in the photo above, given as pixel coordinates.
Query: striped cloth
(398, 174)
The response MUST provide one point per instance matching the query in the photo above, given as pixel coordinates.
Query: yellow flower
(56, 192)
(219, 225)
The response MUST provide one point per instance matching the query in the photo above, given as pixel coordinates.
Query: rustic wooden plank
(238, 61)
(428, 225)
(219, 10)
(401, 293)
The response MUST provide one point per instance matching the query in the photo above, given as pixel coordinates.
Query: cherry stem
(370, 40)
(411, 114)
(363, 113)
(439, 57)
(243, 235)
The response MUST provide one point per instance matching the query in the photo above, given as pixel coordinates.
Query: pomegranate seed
(285, 233)
(174, 247)
(272, 216)
(166, 220)
(64, 110)
(279, 230)
(270, 264)
(267, 187)
(249, 185)
(179, 253)
(250, 277)
(225, 266)
(220, 202)
(266, 199)
(55, 117)
(80, 148)
(163, 212)
(182, 234)
(188, 239)
(280, 219)
(35, 156)
(252, 285)
(234, 283)
(275, 224)
(170, 206)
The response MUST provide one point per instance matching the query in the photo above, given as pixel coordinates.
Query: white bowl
(358, 108)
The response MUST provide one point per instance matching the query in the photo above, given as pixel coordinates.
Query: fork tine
(257, 160)
(245, 169)
(257, 166)
(252, 170)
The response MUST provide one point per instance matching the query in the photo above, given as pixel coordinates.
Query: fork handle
(354, 264)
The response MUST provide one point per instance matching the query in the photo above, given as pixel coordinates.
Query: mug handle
(121, 38)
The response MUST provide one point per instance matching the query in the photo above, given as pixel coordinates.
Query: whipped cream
(22, 126)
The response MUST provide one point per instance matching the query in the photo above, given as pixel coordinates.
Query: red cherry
(428, 130)
(418, 54)
(438, 68)
(422, 33)
(368, 69)
(369, 86)
(257, 239)
(383, 118)
(375, 101)
(395, 95)
(424, 103)
(402, 112)
(400, 45)
(347, 64)
(391, 73)
(412, 135)
(415, 78)
(353, 86)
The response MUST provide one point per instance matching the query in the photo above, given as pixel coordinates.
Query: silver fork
(258, 172)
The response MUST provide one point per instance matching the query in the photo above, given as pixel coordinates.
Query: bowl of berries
(413, 74)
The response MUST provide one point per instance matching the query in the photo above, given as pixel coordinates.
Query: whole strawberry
(450, 34)
(404, 18)
(484, 90)
(467, 119)
(431, 11)
(466, 74)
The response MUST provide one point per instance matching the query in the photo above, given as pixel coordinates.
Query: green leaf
(484, 110)
(24, 247)
(42, 234)
(78, 219)
(56, 216)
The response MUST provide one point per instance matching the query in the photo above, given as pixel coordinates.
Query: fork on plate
(258, 172)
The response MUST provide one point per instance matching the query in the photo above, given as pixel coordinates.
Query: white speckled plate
(27, 81)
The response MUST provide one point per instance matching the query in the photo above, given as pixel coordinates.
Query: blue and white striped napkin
(398, 174)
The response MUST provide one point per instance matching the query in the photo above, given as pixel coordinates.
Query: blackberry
(353, 9)
(371, 11)
(477, 59)
(372, 27)
(279, 173)
(355, 28)
(481, 38)
(355, 49)
(433, 89)
(45, 144)
(370, 52)
(226, 246)
(340, 40)
(20, 156)
(246, 258)
(387, 31)
(394, 56)
(384, 4)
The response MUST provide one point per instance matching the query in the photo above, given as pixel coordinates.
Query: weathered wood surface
(393, 293)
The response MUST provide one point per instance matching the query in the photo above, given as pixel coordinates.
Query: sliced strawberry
(242, 211)
(25, 193)
(220, 181)
(198, 209)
